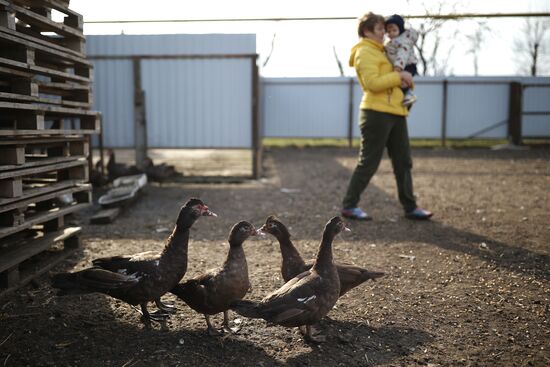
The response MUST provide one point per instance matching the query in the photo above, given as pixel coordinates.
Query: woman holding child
(382, 120)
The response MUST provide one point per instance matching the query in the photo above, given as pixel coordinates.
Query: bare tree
(476, 40)
(264, 64)
(338, 62)
(430, 37)
(532, 46)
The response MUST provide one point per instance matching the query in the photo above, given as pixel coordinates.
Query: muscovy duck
(212, 292)
(136, 280)
(292, 263)
(306, 298)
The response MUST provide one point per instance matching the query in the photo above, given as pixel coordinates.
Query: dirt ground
(469, 288)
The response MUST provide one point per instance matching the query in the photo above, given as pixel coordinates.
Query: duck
(306, 298)
(115, 170)
(213, 291)
(139, 279)
(293, 264)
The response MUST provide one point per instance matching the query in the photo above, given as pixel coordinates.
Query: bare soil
(469, 288)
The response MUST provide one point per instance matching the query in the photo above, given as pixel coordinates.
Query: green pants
(381, 130)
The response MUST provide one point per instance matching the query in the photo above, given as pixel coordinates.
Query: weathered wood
(54, 224)
(11, 257)
(15, 132)
(11, 188)
(42, 70)
(7, 19)
(41, 162)
(72, 19)
(105, 216)
(9, 278)
(42, 141)
(12, 218)
(62, 111)
(14, 155)
(42, 169)
(41, 218)
(81, 192)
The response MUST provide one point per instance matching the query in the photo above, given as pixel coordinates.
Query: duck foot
(232, 330)
(147, 317)
(165, 307)
(315, 338)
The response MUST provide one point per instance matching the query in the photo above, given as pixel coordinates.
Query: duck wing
(95, 280)
(129, 264)
(194, 292)
(351, 276)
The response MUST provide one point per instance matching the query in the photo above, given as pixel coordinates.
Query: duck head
(274, 227)
(240, 232)
(335, 226)
(193, 209)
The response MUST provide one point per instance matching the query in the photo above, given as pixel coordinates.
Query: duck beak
(207, 213)
(261, 231)
(346, 229)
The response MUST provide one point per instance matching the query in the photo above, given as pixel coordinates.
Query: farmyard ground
(470, 287)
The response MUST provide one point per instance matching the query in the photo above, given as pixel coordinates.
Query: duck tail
(373, 275)
(67, 283)
(246, 308)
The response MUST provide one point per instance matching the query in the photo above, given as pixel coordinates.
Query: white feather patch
(306, 299)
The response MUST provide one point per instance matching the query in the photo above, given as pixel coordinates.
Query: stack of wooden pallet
(45, 127)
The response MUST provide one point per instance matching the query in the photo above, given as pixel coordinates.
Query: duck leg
(212, 331)
(314, 338)
(155, 316)
(167, 308)
(226, 327)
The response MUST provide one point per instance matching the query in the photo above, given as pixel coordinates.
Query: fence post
(444, 115)
(514, 113)
(350, 113)
(140, 123)
(257, 146)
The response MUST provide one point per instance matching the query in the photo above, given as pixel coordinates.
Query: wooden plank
(16, 255)
(7, 19)
(11, 188)
(44, 193)
(73, 18)
(12, 156)
(105, 216)
(13, 97)
(41, 162)
(42, 70)
(21, 132)
(42, 141)
(57, 53)
(41, 218)
(14, 73)
(42, 22)
(36, 170)
(47, 109)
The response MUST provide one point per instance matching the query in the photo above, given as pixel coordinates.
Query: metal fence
(454, 107)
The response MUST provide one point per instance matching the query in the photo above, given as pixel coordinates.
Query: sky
(306, 48)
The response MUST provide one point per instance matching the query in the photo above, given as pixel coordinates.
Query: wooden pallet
(30, 119)
(22, 261)
(24, 153)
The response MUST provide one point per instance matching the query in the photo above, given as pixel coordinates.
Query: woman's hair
(367, 23)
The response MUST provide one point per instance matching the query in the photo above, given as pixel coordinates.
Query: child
(400, 51)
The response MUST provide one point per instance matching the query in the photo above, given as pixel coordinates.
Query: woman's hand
(406, 78)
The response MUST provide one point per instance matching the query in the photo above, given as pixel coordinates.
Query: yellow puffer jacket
(381, 85)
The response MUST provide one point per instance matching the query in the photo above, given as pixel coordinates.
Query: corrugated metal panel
(170, 44)
(475, 107)
(305, 107)
(189, 102)
(113, 90)
(198, 103)
(536, 99)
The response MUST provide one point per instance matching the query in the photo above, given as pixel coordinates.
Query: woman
(382, 120)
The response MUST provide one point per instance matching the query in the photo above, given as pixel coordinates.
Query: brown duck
(292, 263)
(306, 298)
(213, 291)
(137, 280)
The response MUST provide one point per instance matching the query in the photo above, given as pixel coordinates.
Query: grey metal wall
(318, 107)
(190, 103)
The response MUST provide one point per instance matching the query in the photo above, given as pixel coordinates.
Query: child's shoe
(409, 99)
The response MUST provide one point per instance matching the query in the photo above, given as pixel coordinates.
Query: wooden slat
(18, 254)
(39, 193)
(41, 218)
(29, 141)
(58, 53)
(41, 162)
(43, 169)
(15, 73)
(37, 20)
(18, 65)
(31, 99)
(20, 132)
(47, 109)
(62, 6)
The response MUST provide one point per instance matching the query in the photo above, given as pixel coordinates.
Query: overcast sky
(306, 48)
